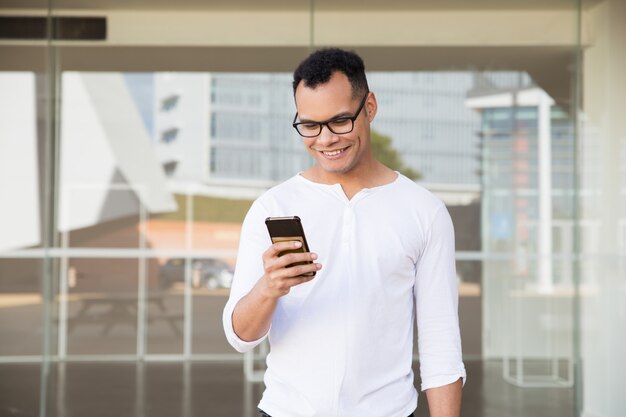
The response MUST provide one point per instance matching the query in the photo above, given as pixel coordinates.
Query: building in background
(528, 159)
(235, 128)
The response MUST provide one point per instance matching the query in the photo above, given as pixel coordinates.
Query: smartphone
(284, 229)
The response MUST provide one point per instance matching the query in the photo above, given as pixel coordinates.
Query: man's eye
(340, 122)
(309, 126)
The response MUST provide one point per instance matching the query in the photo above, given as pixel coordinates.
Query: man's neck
(354, 181)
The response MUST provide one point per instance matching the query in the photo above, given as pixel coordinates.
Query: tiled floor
(218, 390)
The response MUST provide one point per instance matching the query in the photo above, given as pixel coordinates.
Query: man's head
(334, 111)
(320, 65)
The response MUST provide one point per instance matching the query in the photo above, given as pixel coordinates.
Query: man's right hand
(279, 277)
(253, 314)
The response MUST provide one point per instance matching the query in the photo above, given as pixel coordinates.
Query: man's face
(336, 154)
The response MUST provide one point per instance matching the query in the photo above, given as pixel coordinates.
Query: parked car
(208, 273)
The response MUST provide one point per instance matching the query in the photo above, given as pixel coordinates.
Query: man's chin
(333, 170)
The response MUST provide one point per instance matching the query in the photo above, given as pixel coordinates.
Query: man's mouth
(334, 152)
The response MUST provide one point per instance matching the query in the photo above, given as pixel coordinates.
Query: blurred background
(134, 135)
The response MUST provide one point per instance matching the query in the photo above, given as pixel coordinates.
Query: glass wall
(26, 130)
(130, 153)
(602, 209)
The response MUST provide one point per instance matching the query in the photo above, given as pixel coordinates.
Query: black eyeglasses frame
(327, 122)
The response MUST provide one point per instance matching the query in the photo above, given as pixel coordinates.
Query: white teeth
(333, 153)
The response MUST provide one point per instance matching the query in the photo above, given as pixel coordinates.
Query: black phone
(285, 229)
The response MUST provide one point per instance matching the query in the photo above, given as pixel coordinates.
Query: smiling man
(341, 341)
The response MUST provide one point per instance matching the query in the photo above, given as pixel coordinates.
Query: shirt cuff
(235, 341)
(243, 346)
(441, 380)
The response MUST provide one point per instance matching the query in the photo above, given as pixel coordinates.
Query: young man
(341, 342)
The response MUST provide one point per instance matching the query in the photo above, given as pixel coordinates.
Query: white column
(544, 244)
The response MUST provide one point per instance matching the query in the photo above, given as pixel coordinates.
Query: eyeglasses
(339, 126)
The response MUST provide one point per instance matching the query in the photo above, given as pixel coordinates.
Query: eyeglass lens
(338, 127)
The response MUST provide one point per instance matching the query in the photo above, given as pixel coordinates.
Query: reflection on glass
(527, 152)
(21, 307)
(173, 161)
(101, 312)
(19, 174)
(21, 298)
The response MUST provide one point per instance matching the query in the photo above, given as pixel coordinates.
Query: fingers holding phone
(288, 262)
(285, 270)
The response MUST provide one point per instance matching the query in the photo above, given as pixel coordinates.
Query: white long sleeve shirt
(341, 344)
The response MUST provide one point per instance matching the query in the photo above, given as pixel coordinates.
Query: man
(341, 341)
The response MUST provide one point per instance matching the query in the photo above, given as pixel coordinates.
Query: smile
(334, 152)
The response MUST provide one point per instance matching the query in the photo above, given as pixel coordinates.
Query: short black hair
(318, 67)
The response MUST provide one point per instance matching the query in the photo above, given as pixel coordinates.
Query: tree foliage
(389, 156)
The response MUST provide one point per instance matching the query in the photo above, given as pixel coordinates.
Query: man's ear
(371, 106)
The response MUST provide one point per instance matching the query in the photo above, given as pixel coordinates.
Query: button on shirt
(341, 344)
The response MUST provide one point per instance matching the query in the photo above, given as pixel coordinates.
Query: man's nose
(326, 136)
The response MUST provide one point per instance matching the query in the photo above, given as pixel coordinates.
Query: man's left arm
(436, 302)
(445, 401)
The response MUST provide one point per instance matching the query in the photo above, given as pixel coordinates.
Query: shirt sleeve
(254, 240)
(436, 300)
